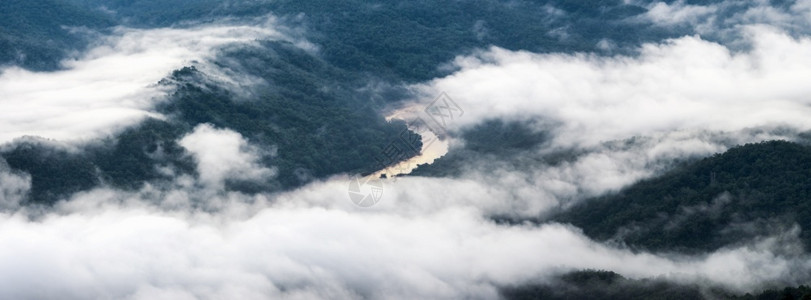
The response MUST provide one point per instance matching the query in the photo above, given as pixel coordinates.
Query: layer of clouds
(722, 19)
(108, 244)
(628, 118)
(682, 84)
(114, 84)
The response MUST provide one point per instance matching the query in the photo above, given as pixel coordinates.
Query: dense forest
(38, 34)
(408, 39)
(417, 37)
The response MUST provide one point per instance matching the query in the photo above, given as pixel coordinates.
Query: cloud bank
(722, 20)
(106, 244)
(628, 118)
(683, 84)
(113, 85)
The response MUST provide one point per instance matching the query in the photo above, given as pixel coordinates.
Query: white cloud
(683, 84)
(721, 20)
(662, 13)
(13, 187)
(114, 84)
(222, 155)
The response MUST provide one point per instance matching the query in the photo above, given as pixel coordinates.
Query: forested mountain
(353, 47)
(38, 34)
(340, 130)
(750, 191)
(408, 39)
